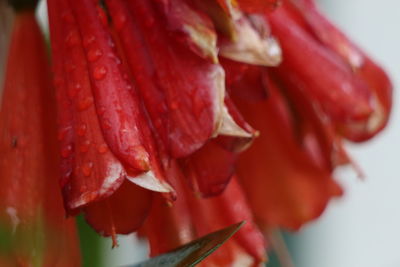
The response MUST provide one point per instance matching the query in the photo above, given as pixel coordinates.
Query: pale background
(363, 228)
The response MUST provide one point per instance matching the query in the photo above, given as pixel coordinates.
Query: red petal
(169, 225)
(238, 136)
(117, 104)
(191, 27)
(121, 213)
(30, 200)
(182, 92)
(234, 204)
(97, 173)
(363, 67)
(228, 208)
(64, 105)
(210, 168)
(344, 97)
(258, 6)
(286, 188)
(22, 117)
(313, 130)
(247, 80)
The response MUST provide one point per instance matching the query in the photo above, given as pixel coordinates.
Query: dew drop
(88, 40)
(72, 38)
(73, 90)
(66, 176)
(99, 72)
(119, 22)
(94, 54)
(106, 125)
(87, 168)
(85, 103)
(81, 131)
(66, 151)
(101, 110)
(84, 147)
(174, 105)
(63, 132)
(117, 60)
(111, 42)
(102, 148)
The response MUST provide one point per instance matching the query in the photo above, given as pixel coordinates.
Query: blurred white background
(363, 228)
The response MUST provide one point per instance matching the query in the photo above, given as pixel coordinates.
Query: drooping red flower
(145, 120)
(324, 90)
(32, 220)
(352, 90)
(133, 96)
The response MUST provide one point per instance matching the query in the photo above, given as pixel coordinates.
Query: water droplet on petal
(66, 151)
(88, 40)
(63, 132)
(87, 168)
(81, 131)
(101, 110)
(73, 90)
(119, 21)
(102, 148)
(99, 72)
(84, 147)
(174, 105)
(72, 38)
(94, 54)
(106, 125)
(85, 103)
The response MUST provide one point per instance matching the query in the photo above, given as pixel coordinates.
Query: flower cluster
(179, 117)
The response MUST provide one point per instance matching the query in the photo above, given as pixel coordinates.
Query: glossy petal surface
(182, 92)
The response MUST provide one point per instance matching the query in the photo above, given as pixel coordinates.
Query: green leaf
(194, 252)
(90, 243)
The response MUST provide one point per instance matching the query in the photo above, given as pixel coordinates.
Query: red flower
(145, 119)
(351, 89)
(32, 220)
(112, 131)
(325, 90)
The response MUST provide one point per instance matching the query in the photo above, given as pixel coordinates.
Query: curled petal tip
(229, 127)
(149, 181)
(254, 45)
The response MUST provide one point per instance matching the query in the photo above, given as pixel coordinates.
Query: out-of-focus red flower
(32, 221)
(324, 90)
(351, 89)
(285, 173)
